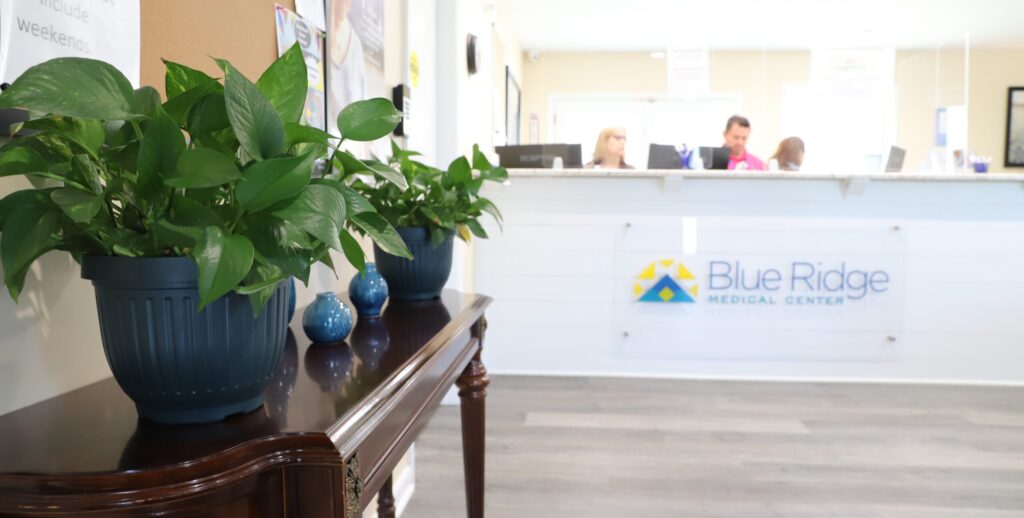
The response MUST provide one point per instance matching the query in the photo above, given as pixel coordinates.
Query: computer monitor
(540, 156)
(661, 156)
(715, 157)
(894, 163)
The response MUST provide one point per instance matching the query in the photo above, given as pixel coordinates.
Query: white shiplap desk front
(949, 249)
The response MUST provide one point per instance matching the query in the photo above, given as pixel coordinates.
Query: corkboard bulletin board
(190, 31)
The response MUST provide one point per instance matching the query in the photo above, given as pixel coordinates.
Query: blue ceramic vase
(368, 291)
(327, 320)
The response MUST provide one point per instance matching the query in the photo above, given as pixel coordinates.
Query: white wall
(50, 340)
(421, 39)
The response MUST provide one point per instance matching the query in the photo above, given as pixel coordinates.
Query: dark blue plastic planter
(423, 277)
(177, 365)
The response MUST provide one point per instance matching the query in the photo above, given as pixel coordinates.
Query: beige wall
(993, 71)
(740, 72)
(926, 80)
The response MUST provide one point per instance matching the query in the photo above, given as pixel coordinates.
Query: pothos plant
(442, 201)
(221, 171)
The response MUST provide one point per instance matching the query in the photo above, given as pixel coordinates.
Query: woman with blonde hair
(790, 154)
(610, 151)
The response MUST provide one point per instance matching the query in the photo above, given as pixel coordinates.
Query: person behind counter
(610, 151)
(790, 154)
(737, 130)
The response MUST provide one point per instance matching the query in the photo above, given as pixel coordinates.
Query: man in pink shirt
(737, 130)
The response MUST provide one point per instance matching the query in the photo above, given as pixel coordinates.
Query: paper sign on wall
(290, 29)
(34, 31)
(688, 72)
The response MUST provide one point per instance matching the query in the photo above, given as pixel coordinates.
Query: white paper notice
(688, 71)
(312, 11)
(33, 31)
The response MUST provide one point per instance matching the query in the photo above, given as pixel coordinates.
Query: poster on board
(35, 31)
(291, 29)
(355, 54)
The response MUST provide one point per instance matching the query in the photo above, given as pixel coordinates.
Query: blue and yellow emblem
(665, 281)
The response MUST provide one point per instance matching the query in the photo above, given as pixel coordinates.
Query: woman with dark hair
(790, 154)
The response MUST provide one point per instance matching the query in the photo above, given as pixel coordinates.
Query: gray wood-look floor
(599, 447)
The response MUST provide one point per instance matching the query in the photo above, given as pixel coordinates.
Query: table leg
(472, 391)
(386, 501)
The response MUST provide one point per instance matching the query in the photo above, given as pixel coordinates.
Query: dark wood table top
(95, 430)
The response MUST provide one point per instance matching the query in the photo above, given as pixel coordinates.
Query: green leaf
(269, 236)
(349, 163)
(180, 78)
(319, 210)
(199, 168)
(86, 133)
(353, 252)
(437, 236)
(285, 84)
(388, 173)
(256, 123)
(459, 171)
(148, 99)
(494, 174)
(182, 236)
(189, 212)
(295, 237)
(76, 87)
(25, 198)
(480, 161)
(129, 243)
(80, 206)
(270, 181)
(382, 233)
(223, 260)
(28, 233)
(209, 114)
(368, 120)
(489, 207)
(179, 107)
(162, 144)
(296, 133)
(476, 228)
(306, 139)
(261, 284)
(21, 160)
(86, 172)
(354, 202)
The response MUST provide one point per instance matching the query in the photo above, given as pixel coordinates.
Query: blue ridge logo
(665, 281)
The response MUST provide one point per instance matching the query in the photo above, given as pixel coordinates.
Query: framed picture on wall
(513, 97)
(1015, 127)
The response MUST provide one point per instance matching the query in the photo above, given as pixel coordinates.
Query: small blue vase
(368, 291)
(327, 320)
(291, 298)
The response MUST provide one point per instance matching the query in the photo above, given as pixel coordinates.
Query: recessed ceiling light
(658, 54)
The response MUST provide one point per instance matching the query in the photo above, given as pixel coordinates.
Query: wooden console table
(336, 421)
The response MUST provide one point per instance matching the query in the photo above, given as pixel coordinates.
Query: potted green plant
(436, 206)
(187, 214)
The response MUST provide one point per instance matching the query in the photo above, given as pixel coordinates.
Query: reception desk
(757, 275)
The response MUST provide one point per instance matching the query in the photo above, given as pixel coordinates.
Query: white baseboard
(781, 379)
(404, 486)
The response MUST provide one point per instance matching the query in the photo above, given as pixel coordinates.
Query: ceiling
(609, 25)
